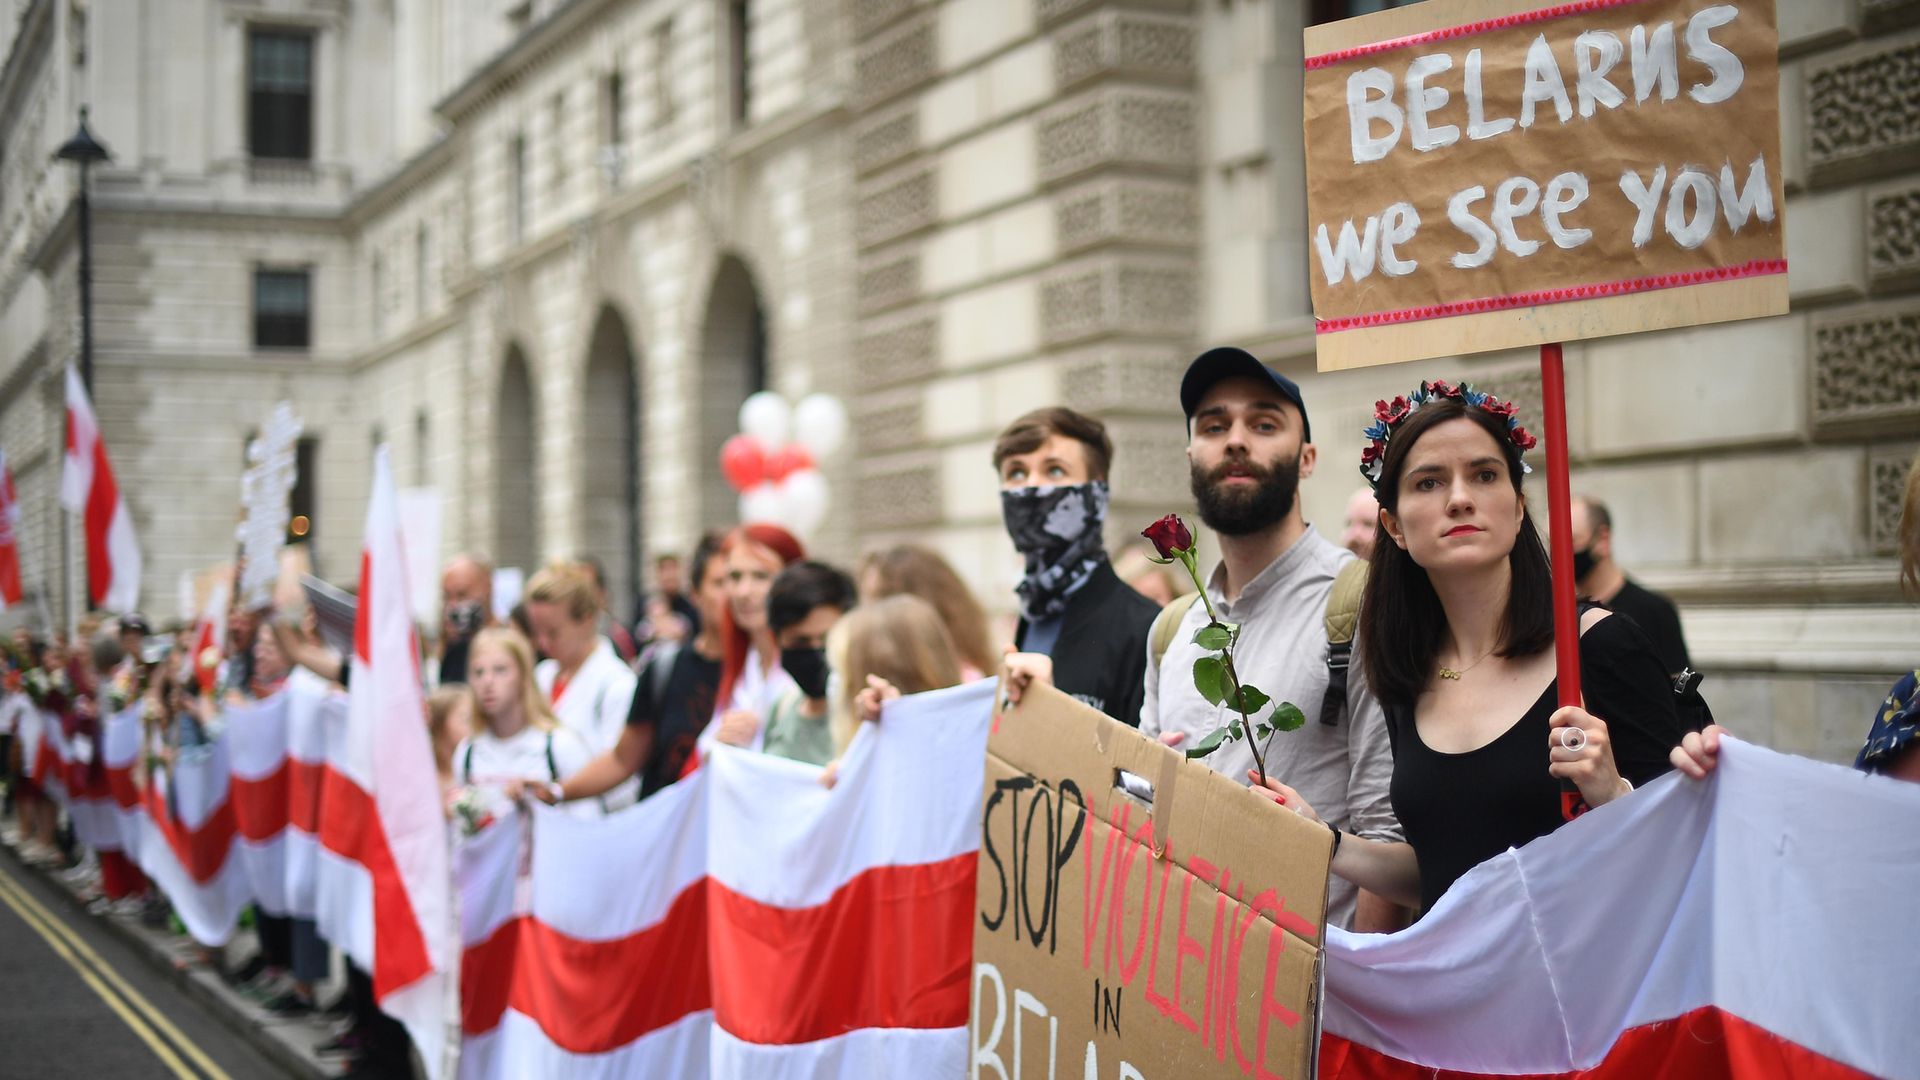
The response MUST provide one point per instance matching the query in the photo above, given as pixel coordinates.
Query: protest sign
(1486, 174)
(272, 469)
(1140, 916)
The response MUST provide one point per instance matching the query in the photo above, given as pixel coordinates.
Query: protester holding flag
(1456, 634)
(588, 686)
(751, 677)
(87, 488)
(518, 739)
(673, 701)
(891, 647)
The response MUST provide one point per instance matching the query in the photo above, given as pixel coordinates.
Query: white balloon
(766, 417)
(761, 503)
(820, 425)
(804, 497)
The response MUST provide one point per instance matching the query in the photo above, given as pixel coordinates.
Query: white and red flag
(9, 537)
(87, 487)
(384, 879)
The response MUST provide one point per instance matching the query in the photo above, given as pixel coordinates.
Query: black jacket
(1101, 657)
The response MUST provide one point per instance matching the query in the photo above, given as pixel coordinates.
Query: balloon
(744, 462)
(820, 425)
(788, 460)
(765, 416)
(761, 504)
(804, 497)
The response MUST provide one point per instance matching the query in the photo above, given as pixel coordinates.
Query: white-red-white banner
(749, 923)
(9, 538)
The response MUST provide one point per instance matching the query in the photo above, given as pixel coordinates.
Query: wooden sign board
(1141, 917)
(1489, 174)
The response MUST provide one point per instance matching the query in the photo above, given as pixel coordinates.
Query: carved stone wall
(897, 349)
(1126, 43)
(1886, 492)
(1123, 378)
(1893, 239)
(1141, 128)
(895, 206)
(1866, 370)
(886, 139)
(1863, 113)
(896, 62)
(900, 496)
(1118, 294)
(1130, 210)
(891, 421)
(889, 282)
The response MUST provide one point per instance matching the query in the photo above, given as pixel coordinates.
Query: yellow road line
(139, 1002)
(10, 897)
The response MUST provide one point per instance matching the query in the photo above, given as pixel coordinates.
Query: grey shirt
(1341, 770)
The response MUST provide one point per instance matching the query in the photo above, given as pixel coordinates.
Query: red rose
(1371, 453)
(1523, 440)
(1169, 536)
(1503, 409)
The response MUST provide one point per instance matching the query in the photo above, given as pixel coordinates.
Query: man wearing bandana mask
(1074, 609)
(802, 605)
(1599, 578)
(466, 597)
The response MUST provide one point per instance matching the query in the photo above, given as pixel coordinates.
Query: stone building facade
(550, 246)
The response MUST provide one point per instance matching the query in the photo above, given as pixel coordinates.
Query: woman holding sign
(1456, 632)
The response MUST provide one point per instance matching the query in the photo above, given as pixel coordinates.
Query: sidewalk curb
(200, 985)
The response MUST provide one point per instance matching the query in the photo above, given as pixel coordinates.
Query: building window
(282, 302)
(517, 187)
(557, 143)
(280, 95)
(663, 104)
(612, 145)
(740, 50)
(420, 248)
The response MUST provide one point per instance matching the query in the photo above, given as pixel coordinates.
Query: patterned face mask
(1057, 529)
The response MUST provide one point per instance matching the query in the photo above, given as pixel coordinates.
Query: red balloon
(787, 460)
(744, 462)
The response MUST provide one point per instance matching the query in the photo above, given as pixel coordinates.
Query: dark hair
(1598, 516)
(804, 586)
(1401, 621)
(704, 552)
(595, 569)
(1025, 435)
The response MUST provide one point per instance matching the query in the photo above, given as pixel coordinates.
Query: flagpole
(1566, 610)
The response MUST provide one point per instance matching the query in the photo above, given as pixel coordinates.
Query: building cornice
(422, 167)
(524, 52)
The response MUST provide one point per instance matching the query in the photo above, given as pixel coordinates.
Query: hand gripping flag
(87, 487)
(384, 875)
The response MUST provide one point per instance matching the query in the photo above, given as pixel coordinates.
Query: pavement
(89, 995)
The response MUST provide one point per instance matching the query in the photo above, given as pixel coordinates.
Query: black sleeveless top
(1459, 810)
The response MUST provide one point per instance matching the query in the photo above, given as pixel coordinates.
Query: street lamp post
(85, 151)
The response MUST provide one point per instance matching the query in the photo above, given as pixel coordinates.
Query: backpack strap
(553, 769)
(466, 764)
(1166, 625)
(1342, 616)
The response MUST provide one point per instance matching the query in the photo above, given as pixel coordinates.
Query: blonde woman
(908, 569)
(518, 742)
(894, 646)
(587, 684)
(450, 711)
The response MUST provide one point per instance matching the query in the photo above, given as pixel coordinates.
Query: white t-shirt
(595, 704)
(755, 691)
(484, 760)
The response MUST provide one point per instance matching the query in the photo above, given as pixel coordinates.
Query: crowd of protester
(1436, 742)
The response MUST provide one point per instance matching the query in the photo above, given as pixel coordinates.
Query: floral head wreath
(1389, 415)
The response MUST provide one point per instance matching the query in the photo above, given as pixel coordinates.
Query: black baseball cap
(1227, 362)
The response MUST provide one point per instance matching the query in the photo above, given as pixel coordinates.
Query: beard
(1241, 510)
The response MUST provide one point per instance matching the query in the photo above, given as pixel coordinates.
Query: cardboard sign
(1487, 174)
(1140, 916)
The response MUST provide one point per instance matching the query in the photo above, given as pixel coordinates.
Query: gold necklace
(1448, 673)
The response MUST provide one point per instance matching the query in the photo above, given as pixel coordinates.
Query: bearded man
(1248, 447)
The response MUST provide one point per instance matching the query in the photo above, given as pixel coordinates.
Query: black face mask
(809, 670)
(1057, 530)
(1582, 563)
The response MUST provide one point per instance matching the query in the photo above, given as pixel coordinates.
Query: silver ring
(1573, 739)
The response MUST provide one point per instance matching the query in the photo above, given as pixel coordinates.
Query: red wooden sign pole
(1566, 612)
